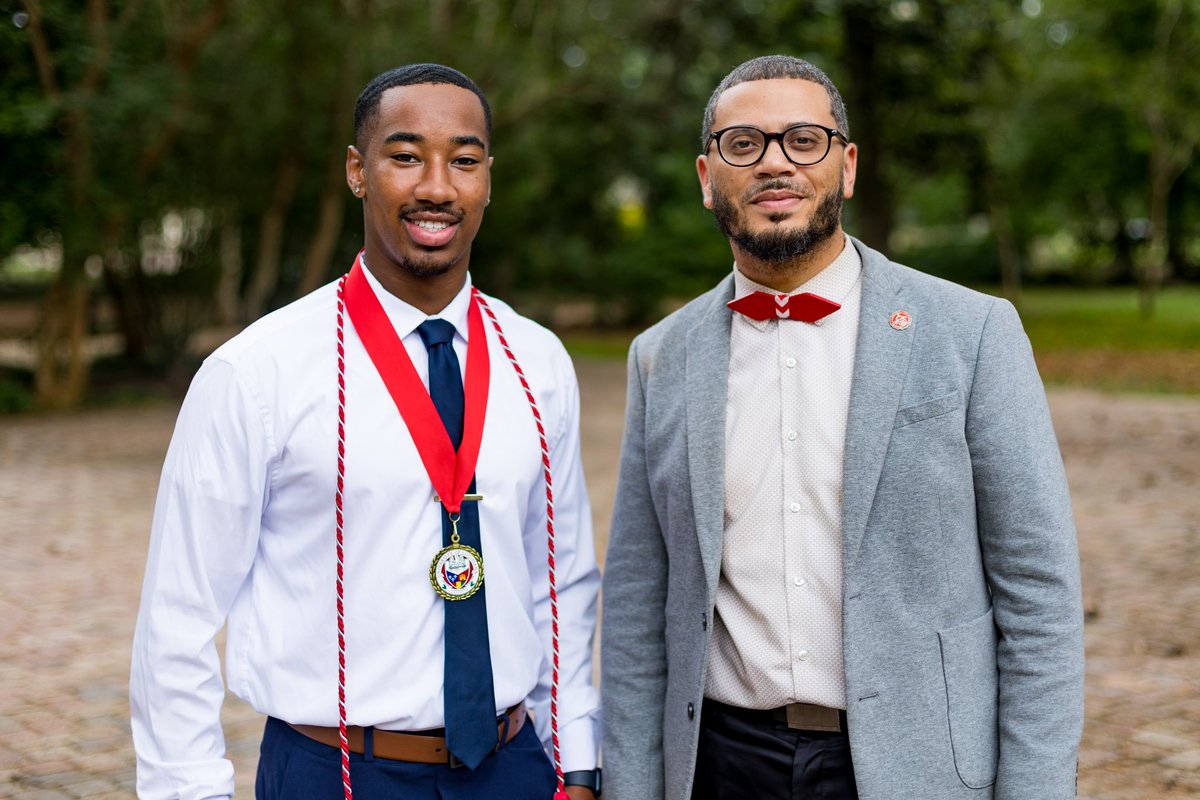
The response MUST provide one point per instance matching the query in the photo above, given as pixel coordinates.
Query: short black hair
(769, 67)
(367, 106)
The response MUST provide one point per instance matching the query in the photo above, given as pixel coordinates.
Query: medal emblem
(456, 572)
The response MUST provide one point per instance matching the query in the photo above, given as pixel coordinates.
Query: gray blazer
(961, 613)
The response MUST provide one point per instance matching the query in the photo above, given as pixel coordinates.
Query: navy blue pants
(743, 756)
(293, 767)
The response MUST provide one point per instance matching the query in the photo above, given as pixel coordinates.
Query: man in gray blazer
(843, 562)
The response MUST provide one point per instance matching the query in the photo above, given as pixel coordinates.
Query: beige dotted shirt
(777, 635)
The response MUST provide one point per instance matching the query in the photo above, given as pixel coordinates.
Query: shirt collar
(834, 282)
(405, 318)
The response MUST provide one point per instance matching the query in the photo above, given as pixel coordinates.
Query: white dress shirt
(244, 531)
(777, 627)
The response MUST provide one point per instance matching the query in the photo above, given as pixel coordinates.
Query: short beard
(780, 246)
(428, 266)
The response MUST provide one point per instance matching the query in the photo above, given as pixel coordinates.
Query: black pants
(748, 756)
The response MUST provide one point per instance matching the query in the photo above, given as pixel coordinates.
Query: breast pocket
(927, 410)
(972, 685)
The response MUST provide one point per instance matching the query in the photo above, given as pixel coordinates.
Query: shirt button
(794, 507)
(791, 436)
(798, 581)
(802, 655)
(791, 362)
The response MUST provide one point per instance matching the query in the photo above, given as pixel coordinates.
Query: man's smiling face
(425, 175)
(776, 212)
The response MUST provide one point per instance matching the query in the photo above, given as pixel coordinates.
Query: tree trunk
(1006, 242)
(324, 240)
(1180, 260)
(60, 378)
(1124, 272)
(1153, 270)
(230, 278)
(130, 314)
(333, 194)
(1171, 149)
(270, 239)
(874, 204)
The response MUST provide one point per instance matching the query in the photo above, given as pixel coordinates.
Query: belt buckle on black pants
(748, 753)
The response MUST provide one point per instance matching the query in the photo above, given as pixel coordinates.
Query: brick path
(76, 494)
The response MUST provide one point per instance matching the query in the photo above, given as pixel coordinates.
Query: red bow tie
(807, 307)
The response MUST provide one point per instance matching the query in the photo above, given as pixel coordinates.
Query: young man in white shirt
(333, 492)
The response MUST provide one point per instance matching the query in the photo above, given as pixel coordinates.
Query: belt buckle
(804, 716)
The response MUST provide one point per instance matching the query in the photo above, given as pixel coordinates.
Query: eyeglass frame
(832, 133)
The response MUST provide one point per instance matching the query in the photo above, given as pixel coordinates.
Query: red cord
(341, 574)
(341, 476)
(537, 418)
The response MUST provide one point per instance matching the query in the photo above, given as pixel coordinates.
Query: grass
(1089, 319)
(1097, 338)
(598, 344)
(1094, 338)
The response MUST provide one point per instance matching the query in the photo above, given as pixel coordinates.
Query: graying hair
(768, 67)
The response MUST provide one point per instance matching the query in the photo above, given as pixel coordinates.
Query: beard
(779, 246)
(429, 266)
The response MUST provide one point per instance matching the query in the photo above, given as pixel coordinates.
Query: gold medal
(457, 570)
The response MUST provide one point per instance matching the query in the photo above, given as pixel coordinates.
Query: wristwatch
(584, 777)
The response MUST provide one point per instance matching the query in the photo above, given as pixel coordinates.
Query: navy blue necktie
(470, 704)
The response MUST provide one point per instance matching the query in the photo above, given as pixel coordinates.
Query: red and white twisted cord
(537, 418)
(341, 475)
(341, 572)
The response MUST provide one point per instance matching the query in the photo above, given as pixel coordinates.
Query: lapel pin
(901, 320)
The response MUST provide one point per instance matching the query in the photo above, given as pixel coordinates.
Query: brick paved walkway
(76, 494)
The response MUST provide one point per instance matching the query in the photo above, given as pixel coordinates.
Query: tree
(91, 94)
(187, 156)
(1169, 100)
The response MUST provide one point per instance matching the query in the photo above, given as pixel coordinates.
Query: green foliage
(982, 124)
(15, 394)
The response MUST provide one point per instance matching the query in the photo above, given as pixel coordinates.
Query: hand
(579, 793)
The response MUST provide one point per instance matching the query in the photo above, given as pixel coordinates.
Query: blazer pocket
(930, 408)
(972, 691)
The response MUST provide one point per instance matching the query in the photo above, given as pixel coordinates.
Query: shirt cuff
(577, 744)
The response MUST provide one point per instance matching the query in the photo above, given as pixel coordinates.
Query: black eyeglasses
(803, 145)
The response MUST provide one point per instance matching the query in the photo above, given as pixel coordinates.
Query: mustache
(430, 208)
(775, 185)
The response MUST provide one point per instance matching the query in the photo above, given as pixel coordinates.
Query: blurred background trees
(177, 166)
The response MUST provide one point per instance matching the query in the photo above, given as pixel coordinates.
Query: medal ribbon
(339, 525)
(450, 472)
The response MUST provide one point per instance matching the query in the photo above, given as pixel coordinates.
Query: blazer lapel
(707, 378)
(880, 366)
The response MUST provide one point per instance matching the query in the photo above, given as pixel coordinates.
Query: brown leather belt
(412, 747)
